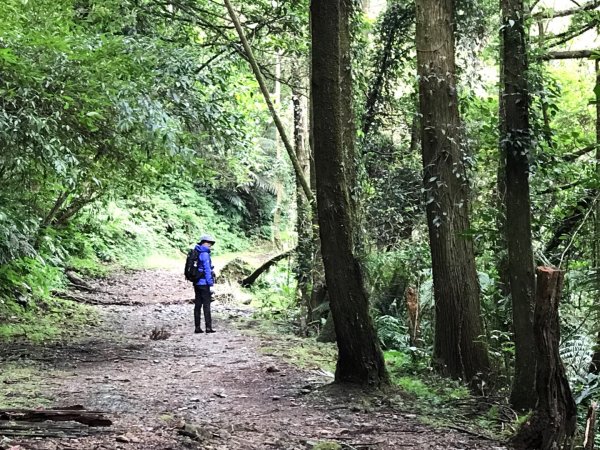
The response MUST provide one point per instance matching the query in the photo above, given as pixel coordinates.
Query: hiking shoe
(199, 330)
(210, 330)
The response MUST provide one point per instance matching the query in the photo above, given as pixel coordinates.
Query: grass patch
(442, 402)
(22, 387)
(44, 320)
(304, 353)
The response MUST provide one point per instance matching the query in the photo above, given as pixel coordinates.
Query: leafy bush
(392, 332)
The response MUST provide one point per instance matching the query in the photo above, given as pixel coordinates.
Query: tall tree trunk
(595, 365)
(516, 145)
(500, 246)
(360, 359)
(458, 350)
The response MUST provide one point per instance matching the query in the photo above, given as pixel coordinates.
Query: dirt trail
(201, 391)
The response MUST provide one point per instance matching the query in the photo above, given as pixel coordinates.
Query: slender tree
(360, 359)
(263, 88)
(458, 350)
(515, 144)
(303, 221)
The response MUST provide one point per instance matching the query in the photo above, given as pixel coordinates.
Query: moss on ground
(44, 320)
(22, 386)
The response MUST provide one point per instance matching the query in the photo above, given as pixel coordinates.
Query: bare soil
(198, 391)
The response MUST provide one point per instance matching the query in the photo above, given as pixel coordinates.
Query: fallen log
(47, 429)
(94, 301)
(249, 280)
(90, 418)
(78, 282)
(76, 298)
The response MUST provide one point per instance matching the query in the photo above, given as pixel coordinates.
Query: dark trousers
(202, 301)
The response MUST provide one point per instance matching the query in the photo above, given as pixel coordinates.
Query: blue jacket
(205, 265)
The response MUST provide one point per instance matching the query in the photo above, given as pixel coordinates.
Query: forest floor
(219, 391)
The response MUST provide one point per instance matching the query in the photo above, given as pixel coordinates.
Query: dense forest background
(130, 127)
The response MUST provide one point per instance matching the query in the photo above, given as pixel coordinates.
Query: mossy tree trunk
(515, 141)
(360, 359)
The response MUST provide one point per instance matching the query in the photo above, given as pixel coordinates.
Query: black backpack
(192, 270)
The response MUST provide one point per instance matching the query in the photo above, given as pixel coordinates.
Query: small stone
(123, 439)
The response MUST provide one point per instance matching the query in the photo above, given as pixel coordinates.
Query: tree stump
(590, 427)
(412, 306)
(552, 424)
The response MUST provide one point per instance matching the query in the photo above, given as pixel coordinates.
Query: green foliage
(327, 446)
(392, 332)
(103, 105)
(275, 295)
(29, 278)
(40, 320)
(415, 377)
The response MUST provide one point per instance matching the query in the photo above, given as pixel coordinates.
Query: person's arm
(205, 260)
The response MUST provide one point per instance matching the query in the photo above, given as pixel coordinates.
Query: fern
(576, 354)
(393, 333)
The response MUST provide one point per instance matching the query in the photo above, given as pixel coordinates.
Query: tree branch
(565, 37)
(568, 54)
(592, 4)
(263, 87)
(584, 151)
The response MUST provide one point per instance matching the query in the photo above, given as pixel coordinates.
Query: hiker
(203, 287)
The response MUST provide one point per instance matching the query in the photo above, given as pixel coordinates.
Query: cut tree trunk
(412, 306)
(360, 359)
(589, 436)
(458, 349)
(515, 142)
(553, 421)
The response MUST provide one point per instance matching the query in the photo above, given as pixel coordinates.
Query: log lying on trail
(47, 429)
(248, 281)
(89, 300)
(90, 418)
(78, 282)
(76, 298)
(553, 422)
